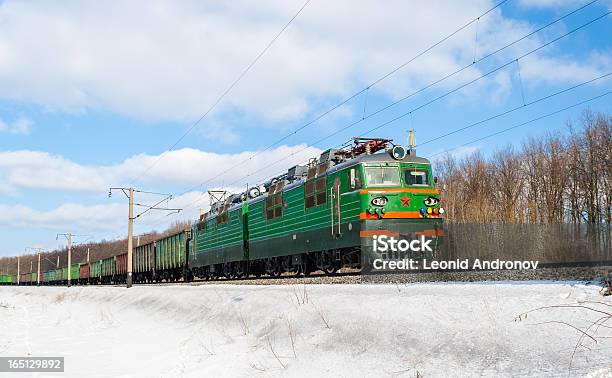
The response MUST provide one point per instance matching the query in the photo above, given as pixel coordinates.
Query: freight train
(315, 217)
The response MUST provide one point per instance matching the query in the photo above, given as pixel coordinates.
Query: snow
(446, 330)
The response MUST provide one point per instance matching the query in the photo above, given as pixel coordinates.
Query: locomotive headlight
(431, 201)
(379, 201)
(398, 152)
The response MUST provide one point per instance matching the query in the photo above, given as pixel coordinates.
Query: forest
(564, 176)
(548, 199)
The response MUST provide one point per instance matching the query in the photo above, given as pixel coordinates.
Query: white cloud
(66, 216)
(537, 70)
(161, 60)
(21, 126)
(183, 168)
(179, 168)
(457, 153)
(220, 132)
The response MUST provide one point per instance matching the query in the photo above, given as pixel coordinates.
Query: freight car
(84, 270)
(95, 272)
(107, 270)
(144, 263)
(319, 216)
(27, 279)
(7, 279)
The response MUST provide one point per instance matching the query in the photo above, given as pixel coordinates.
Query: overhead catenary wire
(524, 123)
(446, 94)
(354, 95)
(226, 92)
(540, 99)
(492, 71)
(498, 115)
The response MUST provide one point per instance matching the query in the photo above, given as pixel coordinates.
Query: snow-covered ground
(439, 330)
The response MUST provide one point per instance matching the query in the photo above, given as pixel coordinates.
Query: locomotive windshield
(415, 177)
(382, 176)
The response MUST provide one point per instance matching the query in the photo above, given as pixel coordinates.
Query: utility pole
(38, 250)
(129, 193)
(88, 255)
(18, 272)
(68, 236)
(130, 239)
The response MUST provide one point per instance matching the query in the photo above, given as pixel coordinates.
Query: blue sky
(91, 93)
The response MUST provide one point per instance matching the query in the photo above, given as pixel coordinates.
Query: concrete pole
(69, 256)
(18, 271)
(88, 255)
(130, 237)
(38, 271)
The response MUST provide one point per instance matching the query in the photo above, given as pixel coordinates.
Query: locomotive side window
(354, 179)
(274, 205)
(310, 202)
(415, 177)
(315, 192)
(382, 176)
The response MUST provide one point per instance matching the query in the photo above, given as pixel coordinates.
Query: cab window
(415, 177)
(382, 176)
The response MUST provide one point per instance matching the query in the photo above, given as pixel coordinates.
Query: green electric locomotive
(321, 216)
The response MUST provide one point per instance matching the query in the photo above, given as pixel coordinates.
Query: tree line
(564, 176)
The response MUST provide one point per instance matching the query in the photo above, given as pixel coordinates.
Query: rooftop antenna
(411, 142)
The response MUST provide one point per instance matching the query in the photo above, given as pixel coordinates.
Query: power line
(446, 94)
(227, 91)
(514, 109)
(524, 123)
(346, 100)
(492, 71)
(549, 96)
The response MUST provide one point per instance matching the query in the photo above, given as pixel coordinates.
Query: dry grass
(59, 298)
(271, 347)
(323, 316)
(209, 349)
(301, 296)
(244, 325)
(600, 309)
(292, 334)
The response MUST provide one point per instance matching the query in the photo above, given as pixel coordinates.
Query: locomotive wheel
(276, 273)
(306, 270)
(303, 269)
(276, 270)
(227, 271)
(330, 270)
(240, 270)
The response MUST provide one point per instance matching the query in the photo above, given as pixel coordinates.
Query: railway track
(352, 277)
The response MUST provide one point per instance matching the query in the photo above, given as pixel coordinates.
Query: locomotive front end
(401, 214)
